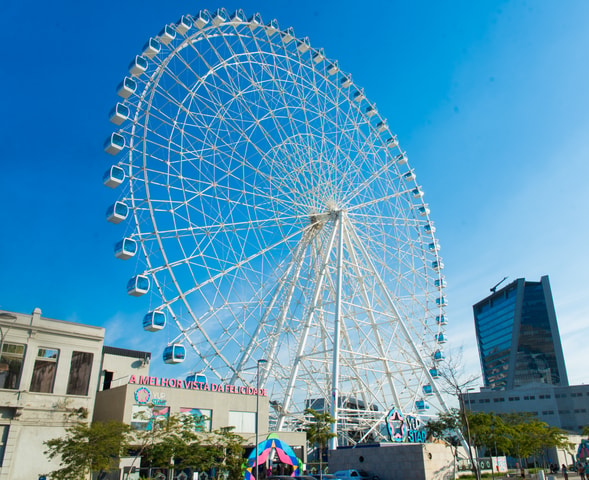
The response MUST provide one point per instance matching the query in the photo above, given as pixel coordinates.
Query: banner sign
(195, 385)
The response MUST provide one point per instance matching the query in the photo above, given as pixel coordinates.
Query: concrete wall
(401, 461)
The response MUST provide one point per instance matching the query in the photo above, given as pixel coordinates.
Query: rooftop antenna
(494, 287)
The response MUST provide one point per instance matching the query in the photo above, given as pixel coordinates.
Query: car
(353, 474)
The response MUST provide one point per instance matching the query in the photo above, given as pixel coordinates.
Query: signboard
(195, 385)
(405, 428)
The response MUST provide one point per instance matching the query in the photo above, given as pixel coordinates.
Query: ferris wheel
(273, 215)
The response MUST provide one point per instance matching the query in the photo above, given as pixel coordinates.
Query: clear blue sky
(488, 98)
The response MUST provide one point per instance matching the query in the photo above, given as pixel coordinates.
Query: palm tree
(319, 431)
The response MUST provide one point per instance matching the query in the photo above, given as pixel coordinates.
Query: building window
(202, 417)
(80, 371)
(44, 370)
(107, 380)
(11, 361)
(244, 422)
(3, 439)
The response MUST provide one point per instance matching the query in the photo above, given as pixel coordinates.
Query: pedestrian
(565, 473)
(522, 472)
(581, 470)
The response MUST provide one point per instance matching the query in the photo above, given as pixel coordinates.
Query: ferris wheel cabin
(117, 212)
(114, 144)
(272, 27)
(154, 321)
(421, 405)
(127, 87)
(119, 114)
(174, 353)
(434, 373)
(125, 248)
(438, 356)
(423, 211)
(138, 65)
(304, 45)
(184, 24)
(401, 159)
(441, 338)
(138, 285)
(198, 378)
(152, 48)
(201, 20)
(238, 16)
(219, 17)
(440, 282)
(427, 390)
(409, 176)
(113, 177)
(167, 34)
(437, 265)
(441, 320)
(441, 301)
(288, 36)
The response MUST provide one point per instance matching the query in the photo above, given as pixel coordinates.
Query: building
(563, 407)
(518, 337)
(49, 370)
(522, 358)
(129, 394)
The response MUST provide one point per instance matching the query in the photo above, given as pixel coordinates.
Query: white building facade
(49, 371)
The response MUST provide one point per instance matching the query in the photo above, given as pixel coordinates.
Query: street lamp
(261, 360)
(476, 460)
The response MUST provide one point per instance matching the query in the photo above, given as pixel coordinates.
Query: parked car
(353, 474)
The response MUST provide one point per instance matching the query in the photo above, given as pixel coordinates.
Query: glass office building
(518, 337)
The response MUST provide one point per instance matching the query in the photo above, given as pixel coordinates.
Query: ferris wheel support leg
(307, 327)
(381, 350)
(401, 321)
(336, 332)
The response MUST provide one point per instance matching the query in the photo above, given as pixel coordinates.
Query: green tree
(530, 436)
(88, 448)
(446, 427)
(585, 431)
(319, 431)
(229, 446)
(181, 442)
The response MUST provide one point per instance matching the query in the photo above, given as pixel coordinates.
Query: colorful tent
(283, 450)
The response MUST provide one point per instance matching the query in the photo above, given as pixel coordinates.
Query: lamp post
(261, 360)
(476, 460)
(493, 434)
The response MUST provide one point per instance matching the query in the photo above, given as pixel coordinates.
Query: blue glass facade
(518, 336)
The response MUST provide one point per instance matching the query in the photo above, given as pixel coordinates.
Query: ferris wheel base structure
(271, 214)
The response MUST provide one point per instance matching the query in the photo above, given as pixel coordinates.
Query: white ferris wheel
(274, 216)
